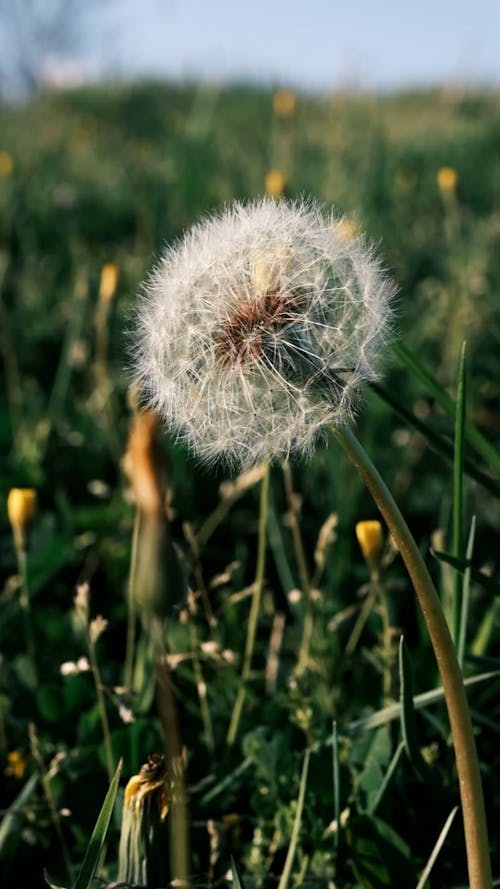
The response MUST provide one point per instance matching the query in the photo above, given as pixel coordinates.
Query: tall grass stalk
(131, 604)
(308, 625)
(254, 611)
(476, 836)
(101, 703)
(25, 603)
(287, 870)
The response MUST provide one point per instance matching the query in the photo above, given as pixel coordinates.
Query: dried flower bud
(82, 601)
(142, 859)
(21, 509)
(258, 330)
(371, 540)
(97, 628)
(142, 463)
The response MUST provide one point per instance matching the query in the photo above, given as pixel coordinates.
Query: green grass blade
(464, 615)
(407, 714)
(93, 853)
(475, 438)
(287, 870)
(227, 781)
(436, 850)
(336, 788)
(424, 699)
(438, 442)
(480, 577)
(237, 880)
(10, 824)
(458, 494)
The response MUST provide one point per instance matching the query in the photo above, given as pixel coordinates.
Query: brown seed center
(243, 335)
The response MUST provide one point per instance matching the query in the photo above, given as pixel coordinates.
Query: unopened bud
(109, 281)
(21, 510)
(371, 540)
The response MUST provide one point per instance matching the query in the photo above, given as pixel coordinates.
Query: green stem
(254, 611)
(476, 836)
(458, 495)
(24, 601)
(300, 556)
(101, 703)
(201, 687)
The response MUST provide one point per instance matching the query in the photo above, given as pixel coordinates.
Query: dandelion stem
(24, 601)
(476, 836)
(254, 611)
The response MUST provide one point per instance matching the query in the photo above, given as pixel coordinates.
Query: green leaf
(373, 753)
(379, 856)
(93, 854)
(408, 721)
(376, 799)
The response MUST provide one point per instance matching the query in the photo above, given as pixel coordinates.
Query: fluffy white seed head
(256, 331)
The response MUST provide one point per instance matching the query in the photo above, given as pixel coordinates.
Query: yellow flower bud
(447, 179)
(284, 103)
(371, 540)
(109, 281)
(21, 509)
(275, 183)
(6, 163)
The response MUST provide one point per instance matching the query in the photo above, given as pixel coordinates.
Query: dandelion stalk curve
(471, 793)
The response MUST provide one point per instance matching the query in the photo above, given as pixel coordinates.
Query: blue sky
(314, 44)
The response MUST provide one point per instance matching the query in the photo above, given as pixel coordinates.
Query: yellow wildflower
(6, 163)
(275, 183)
(371, 540)
(21, 509)
(17, 764)
(447, 179)
(284, 103)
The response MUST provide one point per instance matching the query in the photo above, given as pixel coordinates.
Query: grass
(106, 176)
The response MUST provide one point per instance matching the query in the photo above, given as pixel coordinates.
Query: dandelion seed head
(256, 331)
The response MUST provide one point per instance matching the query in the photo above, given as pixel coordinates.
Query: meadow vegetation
(337, 769)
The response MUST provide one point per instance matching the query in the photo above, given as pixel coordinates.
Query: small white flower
(257, 330)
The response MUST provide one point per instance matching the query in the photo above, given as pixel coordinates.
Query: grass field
(93, 183)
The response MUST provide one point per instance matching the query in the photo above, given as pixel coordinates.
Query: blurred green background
(107, 176)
